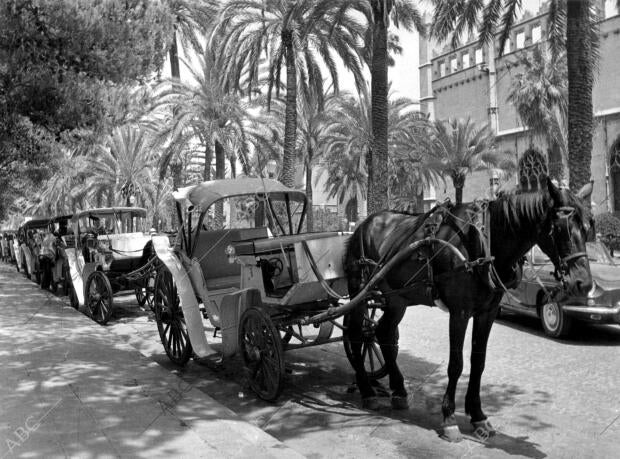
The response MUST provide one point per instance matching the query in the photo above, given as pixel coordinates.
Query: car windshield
(597, 253)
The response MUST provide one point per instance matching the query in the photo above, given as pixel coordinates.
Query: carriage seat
(130, 247)
(211, 252)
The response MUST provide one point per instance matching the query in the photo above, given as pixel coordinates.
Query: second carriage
(108, 251)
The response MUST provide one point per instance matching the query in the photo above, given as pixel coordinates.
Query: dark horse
(468, 285)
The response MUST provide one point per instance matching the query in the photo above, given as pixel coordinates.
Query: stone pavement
(70, 388)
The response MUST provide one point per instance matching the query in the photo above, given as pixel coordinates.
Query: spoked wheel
(170, 320)
(99, 298)
(145, 293)
(261, 348)
(371, 352)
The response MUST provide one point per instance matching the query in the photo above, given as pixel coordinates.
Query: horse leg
(480, 336)
(387, 336)
(356, 340)
(458, 327)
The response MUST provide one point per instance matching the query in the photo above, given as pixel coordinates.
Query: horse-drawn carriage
(108, 251)
(53, 262)
(6, 242)
(30, 235)
(241, 254)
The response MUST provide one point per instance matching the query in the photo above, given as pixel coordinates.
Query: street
(546, 398)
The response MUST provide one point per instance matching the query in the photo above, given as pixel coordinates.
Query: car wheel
(555, 322)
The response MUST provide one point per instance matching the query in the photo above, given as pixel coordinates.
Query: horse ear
(585, 191)
(554, 192)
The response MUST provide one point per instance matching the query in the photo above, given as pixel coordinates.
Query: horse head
(564, 235)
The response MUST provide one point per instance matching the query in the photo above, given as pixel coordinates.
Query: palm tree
(410, 171)
(458, 147)
(572, 26)
(299, 35)
(201, 110)
(123, 166)
(539, 94)
(378, 14)
(192, 19)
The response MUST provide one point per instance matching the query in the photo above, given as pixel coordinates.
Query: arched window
(614, 173)
(532, 169)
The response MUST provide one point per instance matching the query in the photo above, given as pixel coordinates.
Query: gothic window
(532, 170)
(614, 174)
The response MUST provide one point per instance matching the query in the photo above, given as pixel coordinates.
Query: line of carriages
(239, 259)
(88, 256)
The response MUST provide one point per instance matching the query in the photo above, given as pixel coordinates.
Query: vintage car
(30, 235)
(540, 295)
(107, 252)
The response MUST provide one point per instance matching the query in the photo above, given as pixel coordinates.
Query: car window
(598, 253)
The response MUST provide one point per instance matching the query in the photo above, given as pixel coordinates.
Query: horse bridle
(564, 214)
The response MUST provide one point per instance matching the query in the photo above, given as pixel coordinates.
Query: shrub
(608, 226)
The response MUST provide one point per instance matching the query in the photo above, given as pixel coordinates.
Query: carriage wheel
(145, 293)
(170, 320)
(371, 352)
(261, 348)
(99, 297)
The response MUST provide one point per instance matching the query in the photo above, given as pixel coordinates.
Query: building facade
(474, 81)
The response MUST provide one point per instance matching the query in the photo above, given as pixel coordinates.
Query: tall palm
(303, 36)
(572, 27)
(378, 14)
(539, 94)
(458, 147)
(192, 19)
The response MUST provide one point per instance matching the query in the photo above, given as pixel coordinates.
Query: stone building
(474, 81)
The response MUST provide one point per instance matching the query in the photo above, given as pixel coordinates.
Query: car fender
(76, 264)
(232, 307)
(187, 296)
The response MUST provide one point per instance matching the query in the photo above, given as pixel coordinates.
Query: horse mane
(521, 210)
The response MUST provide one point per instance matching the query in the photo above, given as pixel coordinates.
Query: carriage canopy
(112, 220)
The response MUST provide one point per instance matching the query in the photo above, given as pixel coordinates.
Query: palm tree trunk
(287, 175)
(175, 70)
(556, 169)
(459, 183)
(233, 166)
(310, 215)
(580, 80)
(206, 173)
(220, 170)
(378, 170)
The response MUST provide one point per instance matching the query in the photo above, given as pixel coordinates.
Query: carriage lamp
(231, 254)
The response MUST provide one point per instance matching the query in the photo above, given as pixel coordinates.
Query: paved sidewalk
(70, 388)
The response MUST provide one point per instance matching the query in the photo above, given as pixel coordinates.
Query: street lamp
(271, 167)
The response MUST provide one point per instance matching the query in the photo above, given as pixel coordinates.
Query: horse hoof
(370, 403)
(400, 402)
(452, 434)
(483, 430)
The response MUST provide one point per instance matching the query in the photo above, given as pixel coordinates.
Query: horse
(435, 274)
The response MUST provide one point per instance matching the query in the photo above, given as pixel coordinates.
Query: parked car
(540, 295)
